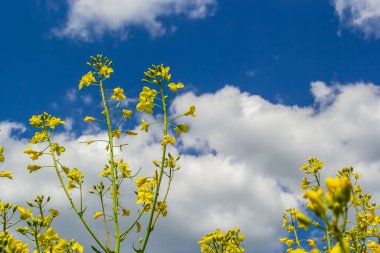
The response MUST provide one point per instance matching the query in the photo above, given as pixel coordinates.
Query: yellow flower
(168, 139)
(53, 122)
(6, 174)
(174, 87)
(144, 126)
(106, 71)
(33, 154)
(289, 242)
(75, 177)
(51, 235)
(86, 80)
(222, 242)
(89, 119)
(191, 111)
(145, 196)
(282, 240)
(76, 246)
(24, 213)
(105, 173)
(39, 137)
(339, 190)
(118, 94)
(146, 100)
(97, 215)
(33, 168)
(164, 72)
(35, 120)
(140, 181)
(303, 220)
(312, 243)
(316, 203)
(127, 113)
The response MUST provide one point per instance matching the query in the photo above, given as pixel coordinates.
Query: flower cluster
(146, 100)
(87, 80)
(331, 206)
(145, 191)
(156, 74)
(75, 178)
(37, 229)
(218, 242)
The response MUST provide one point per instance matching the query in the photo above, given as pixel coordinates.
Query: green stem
(164, 199)
(324, 218)
(37, 245)
(295, 232)
(108, 239)
(123, 235)
(150, 228)
(327, 233)
(80, 214)
(114, 194)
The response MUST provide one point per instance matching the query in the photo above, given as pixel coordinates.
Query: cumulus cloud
(240, 162)
(363, 15)
(92, 18)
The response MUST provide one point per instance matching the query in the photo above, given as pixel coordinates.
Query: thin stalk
(37, 245)
(80, 214)
(295, 233)
(150, 228)
(164, 199)
(324, 218)
(114, 194)
(123, 235)
(108, 239)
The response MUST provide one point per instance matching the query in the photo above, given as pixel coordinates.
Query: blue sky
(274, 82)
(271, 48)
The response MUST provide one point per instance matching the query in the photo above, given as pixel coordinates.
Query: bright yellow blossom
(24, 213)
(33, 154)
(118, 94)
(54, 121)
(168, 139)
(89, 119)
(144, 126)
(35, 120)
(33, 168)
(312, 243)
(174, 87)
(7, 174)
(76, 246)
(105, 71)
(127, 113)
(191, 111)
(86, 80)
(146, 100)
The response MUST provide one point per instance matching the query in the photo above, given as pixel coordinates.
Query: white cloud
(363, 15)
(92, 18)
(71, 94)
(248, 151)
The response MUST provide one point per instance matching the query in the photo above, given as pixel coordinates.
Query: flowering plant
(151, 191)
